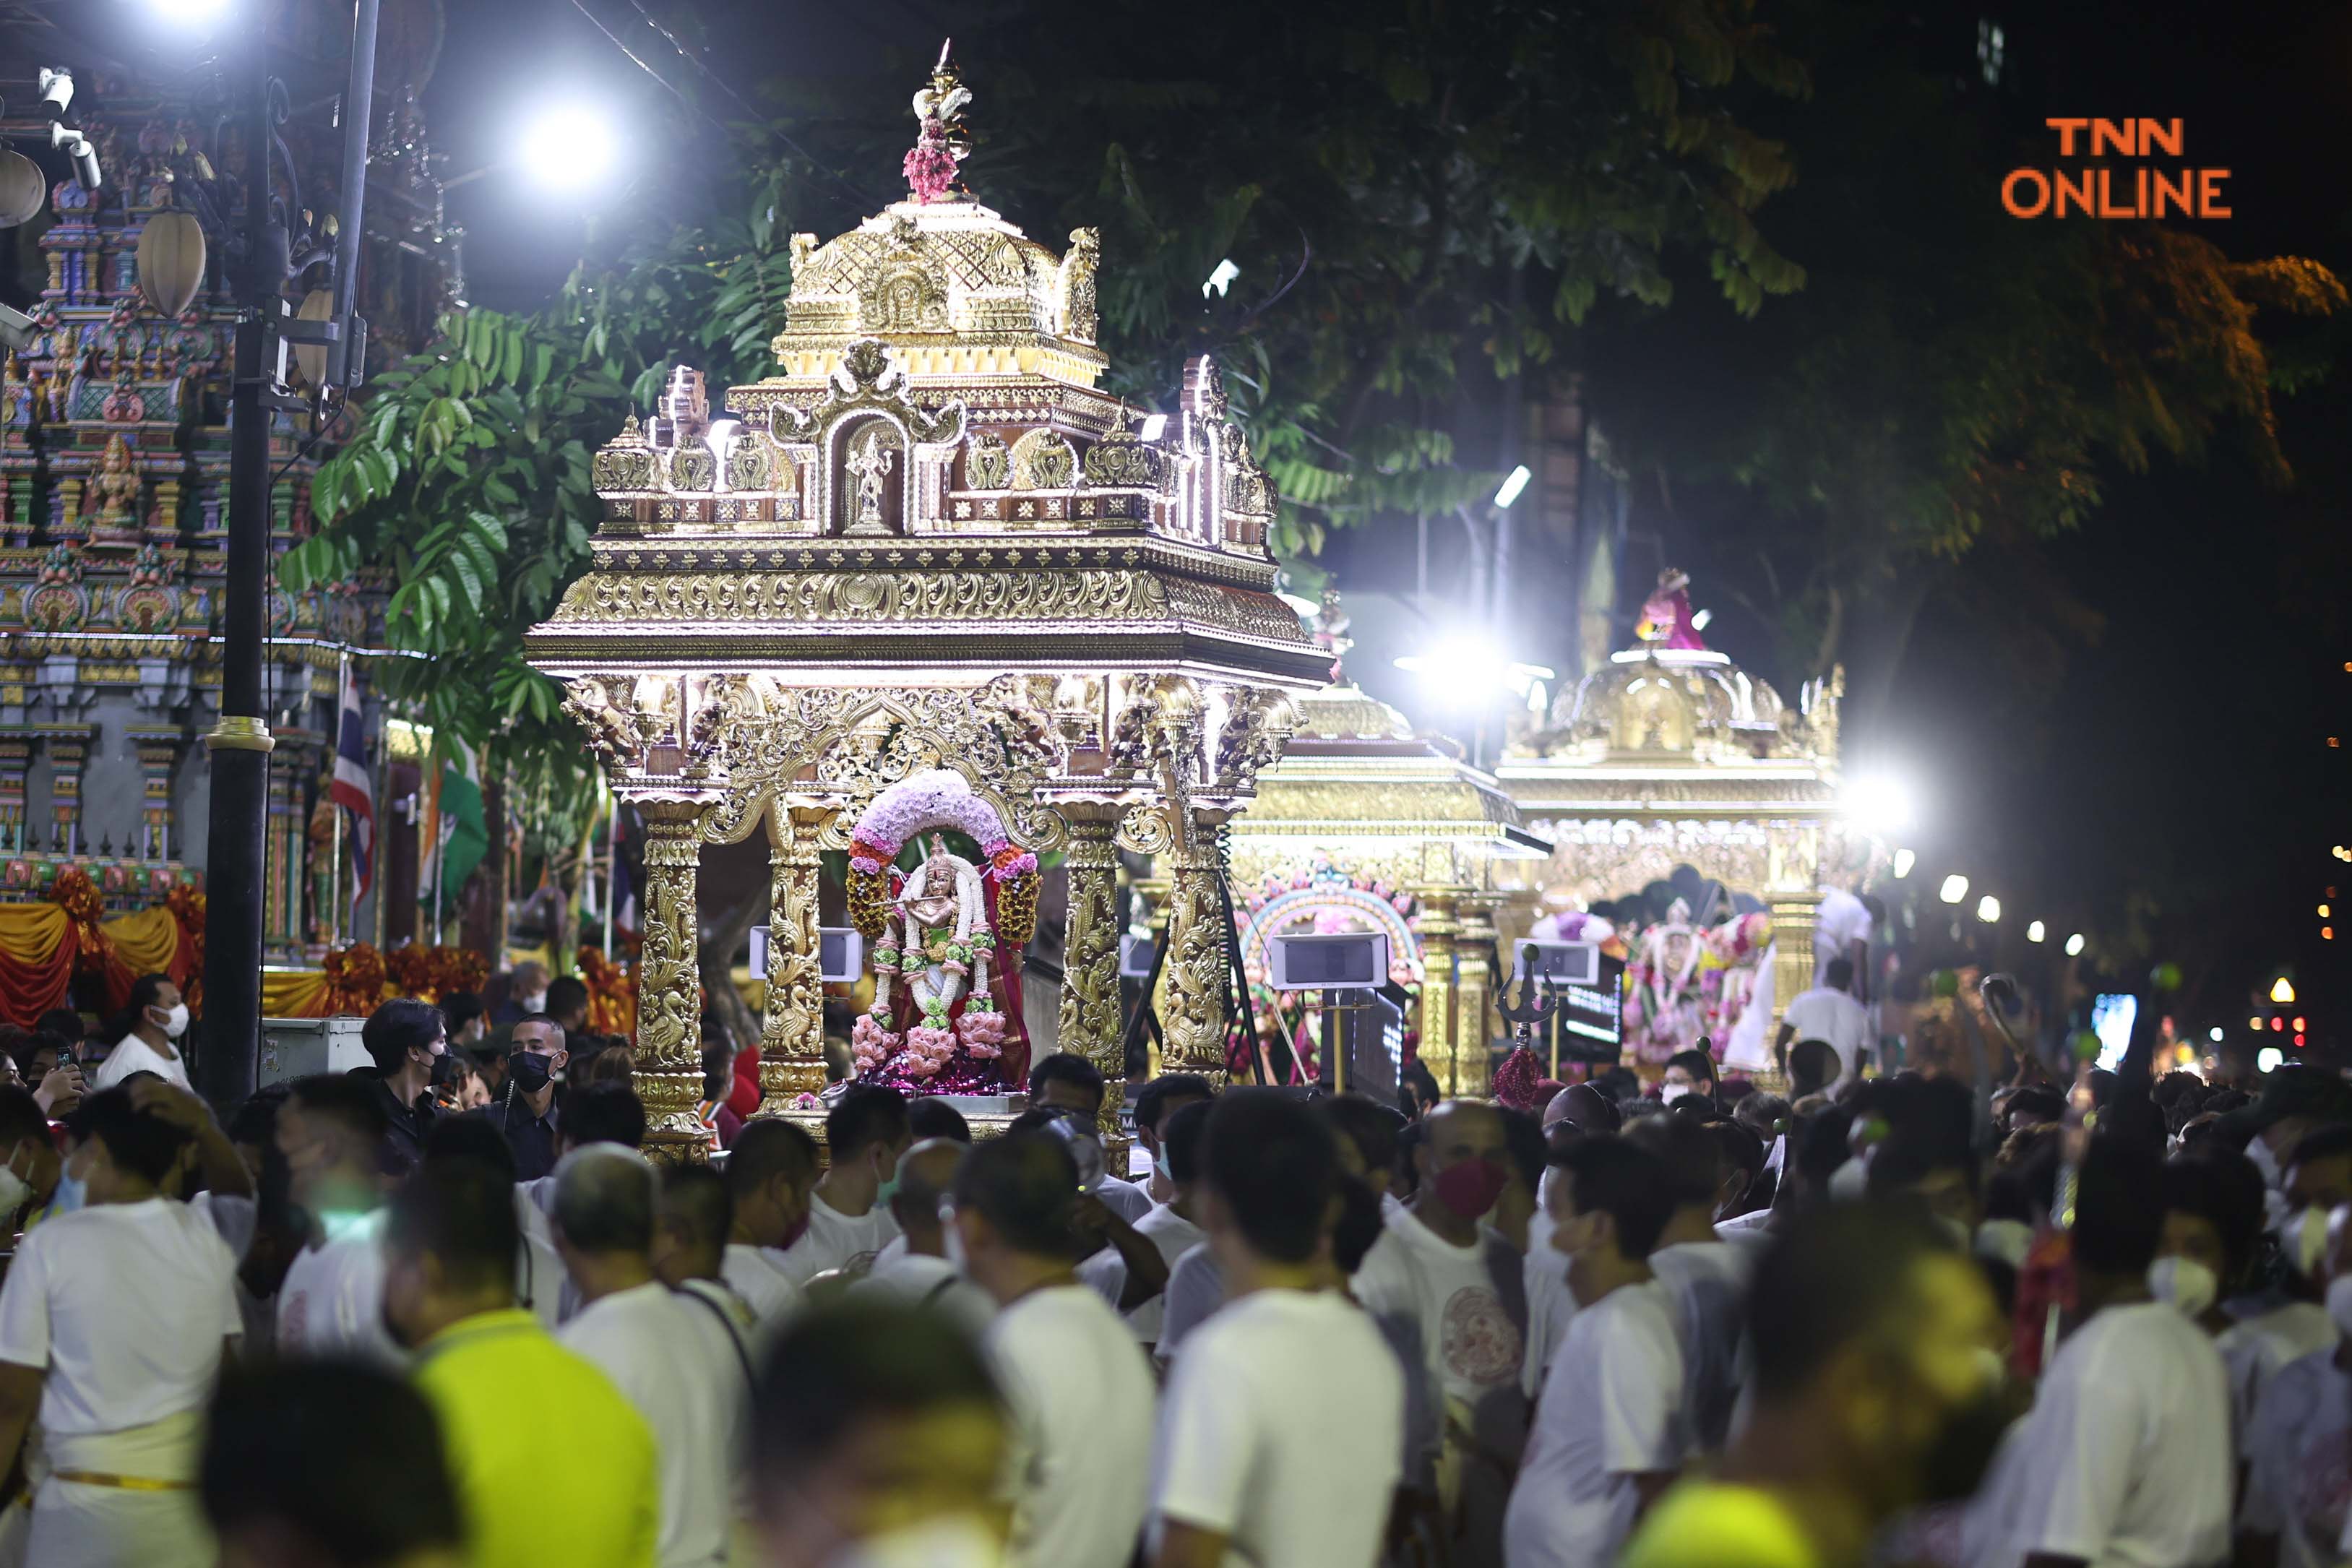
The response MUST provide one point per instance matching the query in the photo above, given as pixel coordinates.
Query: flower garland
(937, 798)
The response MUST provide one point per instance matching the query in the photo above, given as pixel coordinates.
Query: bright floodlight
(1988, 909)
(1462, 671)
(1955, 889)
(2036, 932)
(2268, 1059)
(2075, 945)
(2214, 1033)
(1880, 803)
(188, 13)
(567, 146)
(1904, 860)
(1221, 279)
(1513, 483)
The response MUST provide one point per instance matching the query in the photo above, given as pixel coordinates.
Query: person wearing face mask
(403, 1037)
(1440, 1280)
(1155, 1103)
(1705, 1275)
(30, 1168)
(525, 994)
(115, 1319)
(1173, 1226)
(1877, 1391)
(525, 1111)
(500, 1384)
(1078, 1388)
(2213, 1220)
(1609, 1430)
(771, 1172)
(1687, 1073)
(926, 1270)
(1064, 1081)
(2295, 1514)
(849, 1211)
(2126, 1454)
(876, 1444)
(156, 1019)
(330, 1130)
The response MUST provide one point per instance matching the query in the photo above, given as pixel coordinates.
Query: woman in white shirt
(158, 1016)
(114, 1321)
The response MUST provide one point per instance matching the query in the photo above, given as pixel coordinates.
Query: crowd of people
(364, 1322)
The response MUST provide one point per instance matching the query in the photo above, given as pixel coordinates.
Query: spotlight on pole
(1881, 804)
(567, 146)
(1516, 481)
(2075, 945)
(2037, 932)
(1955, 889)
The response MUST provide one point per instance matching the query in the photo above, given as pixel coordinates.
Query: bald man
(1452, 1289)
(922, 1273)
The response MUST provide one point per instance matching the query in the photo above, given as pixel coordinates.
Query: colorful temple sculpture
(1671, 772)
(929, 596)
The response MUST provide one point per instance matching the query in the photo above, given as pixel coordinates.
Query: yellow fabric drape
(29, 933)
(295, 994)
(147, 942)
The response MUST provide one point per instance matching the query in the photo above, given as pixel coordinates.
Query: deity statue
(930, 897)
(1666, 614)
(935, 163)
(870, 460)
(112, 498)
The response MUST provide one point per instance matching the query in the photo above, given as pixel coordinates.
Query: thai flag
(351, 789)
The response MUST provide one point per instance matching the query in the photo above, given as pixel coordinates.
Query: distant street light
(2283, 991)
(2037, 932)
(567, 146)
(1989, 908)
(1904, 860)
(2214, 1033)
(1512, 485)
(1955, 889)
(2075, 945)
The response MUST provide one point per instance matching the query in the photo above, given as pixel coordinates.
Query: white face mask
(14, 1189)
(956, 1539)
(2339, 1303)
(2184, 1282)
(174, 1023)
(2303, 1237)
(533, 1002)
(1671, 1092)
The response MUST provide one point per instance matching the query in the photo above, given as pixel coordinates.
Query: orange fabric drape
(42, 945)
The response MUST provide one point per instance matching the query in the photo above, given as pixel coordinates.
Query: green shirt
(1709, 1525)
(552, 1465)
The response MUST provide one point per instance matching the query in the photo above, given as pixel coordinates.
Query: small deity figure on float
(114, 497)
(1666, 614)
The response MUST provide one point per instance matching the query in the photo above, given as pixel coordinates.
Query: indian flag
(462, 833)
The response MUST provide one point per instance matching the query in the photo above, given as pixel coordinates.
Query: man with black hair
(525, 1109)
(667, 1354)
(1173, 1225)
(849, 1209)
(1608, 1430)
(1877, 1390)
(1688, 1073)
(29, 1162)
(332, 1131)
(1828, 1013)
(1812, 1065)
(689, 1248)
(1063, 1082)
(771, 1172)
(915, 1268)
(540, 1284)
(1076, 1382)
(567, 1004)
(404, 1039)
(152, 1023)
(1155, 1103)
(467, 1021)
(330, 1465)
(1703, 1275)
(931, 1117)
(114, 1319)
(2126, 1456)
(1290, 1393)
(876, 1438)
(500, 1384)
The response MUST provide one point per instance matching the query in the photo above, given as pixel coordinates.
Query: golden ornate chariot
(928, 541)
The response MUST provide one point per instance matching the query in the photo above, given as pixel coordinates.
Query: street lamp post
(240, 743)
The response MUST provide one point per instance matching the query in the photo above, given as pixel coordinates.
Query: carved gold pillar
(791, 1040)
(1192, 1022)
(1154, 892)
(669, 987)
(1437, 929)
(1473, 968)
(1793, 914)
(1089, 1015)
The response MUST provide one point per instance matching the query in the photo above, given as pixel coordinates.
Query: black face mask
(1954, 1464)
(527, 1071)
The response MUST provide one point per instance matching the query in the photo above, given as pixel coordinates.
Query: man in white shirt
(689, 1250)
(1173, 1227)
(1078, 1385)
(1155, 1103)
(916, 1270)
(1609, 1432)
(1842, 927)
(1062, 1081)
(1283, 1429)
(665, 1354)
(1828, 1013)
(331, 1130)
(115, 1319)
(159, 1016)
(1440, 1281)
(2126, 1456)
(1703, 1275)
(849, 1211)
(771, 1172)
(2296, 1513)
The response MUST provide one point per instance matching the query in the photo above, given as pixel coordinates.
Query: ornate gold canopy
(928, 541)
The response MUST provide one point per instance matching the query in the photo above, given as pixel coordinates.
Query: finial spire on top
(934, 165)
